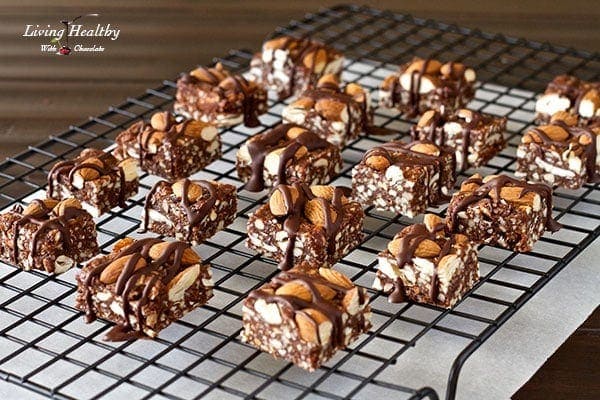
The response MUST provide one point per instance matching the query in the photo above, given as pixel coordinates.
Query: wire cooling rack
(46, 347)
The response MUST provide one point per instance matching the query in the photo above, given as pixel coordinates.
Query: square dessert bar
(404, 178)
(421, 85)
(290, 66)
(335, 114)
(168, 148)
(286, 154)
(190, 210)
(572, 95)
(559, 154)
(218, 97)
(425, 264)
(475, 137)
(306, 315)
(95, 178)
(143, 286)
(500, 210)
(317, 224)
(48, 235)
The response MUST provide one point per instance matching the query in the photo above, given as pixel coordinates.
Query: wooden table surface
(43, 94)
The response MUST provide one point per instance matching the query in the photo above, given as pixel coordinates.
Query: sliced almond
(426, 148)
(189, 257)
(111, 273)
(182, 281)
(295, 289)
(194, 191)
(427, 249)
(277, 203)
(65, 204)
(379, 163)
(316, 212)
(433, 66)
(313, 326)
(431, 221)
(335, 277)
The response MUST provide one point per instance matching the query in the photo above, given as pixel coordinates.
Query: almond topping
(431, 221)
(453, 69)
(433, 66)
(355, 90)
(193, 194)
(181, 282)
(294, 132)
(34, 208)
(189, 257)
(305, 103)
(329, 79)
(65, 204)
(351, 301)
(335, 277)
(330, 109)
(565, 117)
(194, 129)
(323, 191)
(277, 203)
(531, 137)
(427, 249)
(111, 273)
(313, 326)
(427, 118)
(316, 60)
(379, 163)
(513, 195)
(585, 140)
(161, 121)
(121, 244)
(555, 132)
(426, 148)
(316, 212)
(295, 289)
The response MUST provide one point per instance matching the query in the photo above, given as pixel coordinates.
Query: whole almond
(531, 137)
(555, 132)
(161, 121)
(276, 43)
(427, 118)
(323, 191)
(152, 140)
(123, 243)
(316, 60)
(294, 132)
(585, 139)
(194, 190)
(189, 256)
(335, 277)
(379, 163)
(351, 301)
(355, 90)
(277, 203)
(194, 128)
(313, 325)
(65, 204)
(316, 212)
(514, 194)
(426, 148)
(182, 281)
(427, 249)
(301, 152)
(453, 69)
(305, 103)
(564, 116)
(111, 273)
(34, 207)
(431, 221)
(294, 289)
(330, 108)
(433, 66)
(394, 246)
(329, 79)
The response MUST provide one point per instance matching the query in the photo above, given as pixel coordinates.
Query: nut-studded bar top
(567, 93)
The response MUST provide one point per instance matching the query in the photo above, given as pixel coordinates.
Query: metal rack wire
(46, 347)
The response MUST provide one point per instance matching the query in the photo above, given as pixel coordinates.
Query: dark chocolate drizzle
(169, 262)
(496, 184)
(46, 220)
(295, 216)
(262, 144)
(412, 158)
(576, 132)
(310, 282)
(224, 83)
(69, 168)
(195, 215)
(412, 237)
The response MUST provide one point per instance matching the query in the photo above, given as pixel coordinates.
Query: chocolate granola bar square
(190, 210)
(475, 137)
(567, 93)
(421, 85)
(306, 315)
(500, 210)
(559, 154)
(286, 154)
(290, 66)
(218, 97)
(95, 178)
(48, 235)
(169, 148)
(404, 178)
(338, 115)
(317, 224)
(425, 264)
(143, 286)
